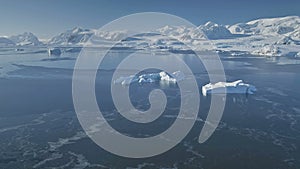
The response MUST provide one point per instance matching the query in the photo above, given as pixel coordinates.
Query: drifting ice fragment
(231, 87)
(178, 75)
(124, 80)
(151, 78)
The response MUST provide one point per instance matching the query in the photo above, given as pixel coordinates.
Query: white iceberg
(54, 51)
(269, 50)
(151, 78)
(230, 87)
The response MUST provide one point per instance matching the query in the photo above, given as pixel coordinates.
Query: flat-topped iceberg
(151, 78)
(230, 87)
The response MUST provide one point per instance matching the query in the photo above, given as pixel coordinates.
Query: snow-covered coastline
(265, 37)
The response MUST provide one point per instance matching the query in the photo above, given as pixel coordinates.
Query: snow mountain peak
(26, 39)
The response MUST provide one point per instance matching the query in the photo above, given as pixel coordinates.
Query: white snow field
(230, 87)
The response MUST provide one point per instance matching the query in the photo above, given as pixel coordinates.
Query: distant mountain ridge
(288, 26)
(286, 31)
(75, 36)
(4, 42)
(26, 39)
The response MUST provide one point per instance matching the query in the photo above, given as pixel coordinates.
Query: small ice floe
(54, 51)
(230, 87)
(297, 55)
(73, 50)
(151, 78)
(19, 49)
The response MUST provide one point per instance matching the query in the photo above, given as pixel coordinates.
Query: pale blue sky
(46, 18)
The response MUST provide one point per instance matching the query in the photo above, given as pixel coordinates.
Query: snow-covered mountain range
(77, 36)
(272, 36)
(4, 42)
(26, 39)
(288, 26)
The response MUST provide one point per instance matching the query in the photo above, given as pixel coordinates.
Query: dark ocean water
(39, 128)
